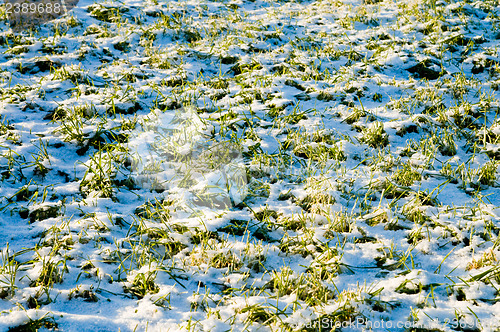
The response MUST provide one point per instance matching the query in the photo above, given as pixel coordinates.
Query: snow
(325, 60)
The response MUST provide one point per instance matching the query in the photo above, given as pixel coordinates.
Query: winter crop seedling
(366, 136)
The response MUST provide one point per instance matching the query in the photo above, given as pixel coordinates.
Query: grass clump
(320, 152)
(306, 287)
(49, 275)
(375, 135)
(489, 258)
(409, 287)
(35, 325)
(106, 13)
(340, 222)
(487, 174)
(142, 285)
(406, 176)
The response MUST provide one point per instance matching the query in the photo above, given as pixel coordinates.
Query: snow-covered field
(357, 187)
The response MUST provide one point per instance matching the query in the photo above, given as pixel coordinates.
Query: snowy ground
(369, 138)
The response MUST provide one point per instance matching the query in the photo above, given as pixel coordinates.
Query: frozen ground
(369, 138)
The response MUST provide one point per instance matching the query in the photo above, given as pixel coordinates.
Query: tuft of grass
(35, 325)
(406, 175)
(49, 274)
(142, 285)
(375, 135)
(488, 258)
